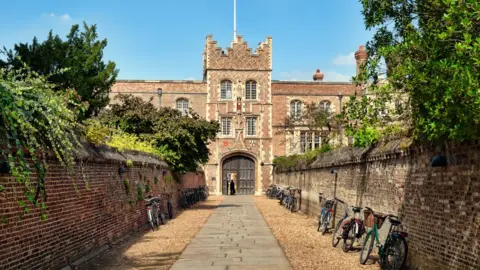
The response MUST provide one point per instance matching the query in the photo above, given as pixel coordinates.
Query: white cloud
(333, 76)
(344, 60)
(330, 76)
(66, 17)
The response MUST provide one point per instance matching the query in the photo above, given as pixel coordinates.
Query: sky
(164, 40)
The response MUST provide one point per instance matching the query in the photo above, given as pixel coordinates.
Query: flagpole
(234, 20)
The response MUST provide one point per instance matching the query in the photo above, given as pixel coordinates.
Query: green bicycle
(390, 253)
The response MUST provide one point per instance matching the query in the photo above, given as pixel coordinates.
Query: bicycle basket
(369, 219)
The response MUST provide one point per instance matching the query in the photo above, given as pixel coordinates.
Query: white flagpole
(234, 20)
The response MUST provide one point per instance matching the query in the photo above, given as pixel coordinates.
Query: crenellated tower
(239, 97)
(237, 57)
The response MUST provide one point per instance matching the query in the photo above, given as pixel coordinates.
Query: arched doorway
(244, 168)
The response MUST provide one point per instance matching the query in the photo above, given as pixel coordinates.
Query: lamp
(159, 91)
(4, 167)
(121, 170)
(333, 171)
(439, 161)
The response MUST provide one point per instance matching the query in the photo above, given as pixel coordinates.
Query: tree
(74, 63)
(429, 51)
(184, 139)
(312, 116)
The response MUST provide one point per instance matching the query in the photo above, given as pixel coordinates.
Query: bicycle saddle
(356, 209)
(394, 220)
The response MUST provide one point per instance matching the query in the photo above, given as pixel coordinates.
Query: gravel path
(303, 245)
(157, 249)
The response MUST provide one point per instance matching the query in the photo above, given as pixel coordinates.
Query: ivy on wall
(34, 121)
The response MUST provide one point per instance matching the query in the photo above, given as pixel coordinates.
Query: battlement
(238, 56)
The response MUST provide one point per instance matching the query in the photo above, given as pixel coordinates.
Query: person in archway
(232, 187)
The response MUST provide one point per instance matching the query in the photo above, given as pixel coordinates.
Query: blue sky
(163, 40)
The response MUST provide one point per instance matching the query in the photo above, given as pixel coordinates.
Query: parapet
(238, 56)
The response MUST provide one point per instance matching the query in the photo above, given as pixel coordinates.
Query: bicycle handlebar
(337, 199)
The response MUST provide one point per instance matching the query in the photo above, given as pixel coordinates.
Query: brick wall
(439, 207)
(80, 220)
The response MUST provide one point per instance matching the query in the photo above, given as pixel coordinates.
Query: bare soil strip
(304, 246)
(157, 249)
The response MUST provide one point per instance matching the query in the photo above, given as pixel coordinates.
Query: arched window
(226, 89)
(326, 105)
(251, 90)
(182, 106)
(295, 109)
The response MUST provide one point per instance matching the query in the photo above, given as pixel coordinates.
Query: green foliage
(155, 180)
(96, 132)
(129, 163)
(180, 140)
(80, 55)
(147, 188)
(432, 53)
(139, 193)
(285, 163)
(169, 179)
(34, 120)
(126, 186)
(100, 133)
(365, 136)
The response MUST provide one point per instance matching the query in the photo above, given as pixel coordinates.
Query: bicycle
(325, 215)
(336, 236)
(152, 211)
(353, 230)
(387, 251)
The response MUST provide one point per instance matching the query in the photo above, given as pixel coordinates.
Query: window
(308, 146)
(302, 141)
(326, 105)
(251, 126)
(226, 126)
(226, 90)
(182, 106)
(296, 109)
(309, 141)
(251, 90)
(317, 141)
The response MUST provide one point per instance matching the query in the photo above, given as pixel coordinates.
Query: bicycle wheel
(336, 237)
(395, 253)
(294, 205)
(170, 210)
(367, 247)
(320, 219)
(326, 223)
(161, 217)
(348, 242)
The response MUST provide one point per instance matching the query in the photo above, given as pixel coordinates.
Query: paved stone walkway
(235, 237)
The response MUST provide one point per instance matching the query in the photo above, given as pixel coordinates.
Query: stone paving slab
(235, 237)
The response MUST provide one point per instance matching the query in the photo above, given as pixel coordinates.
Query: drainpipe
(159, 92)
(340, 96)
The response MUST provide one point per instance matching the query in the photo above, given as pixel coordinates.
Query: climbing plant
(428, 54)
(35, 120)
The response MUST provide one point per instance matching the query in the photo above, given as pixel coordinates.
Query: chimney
(360, 57)
(318, 76)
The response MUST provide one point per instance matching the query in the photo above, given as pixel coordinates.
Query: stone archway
(244, 169)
